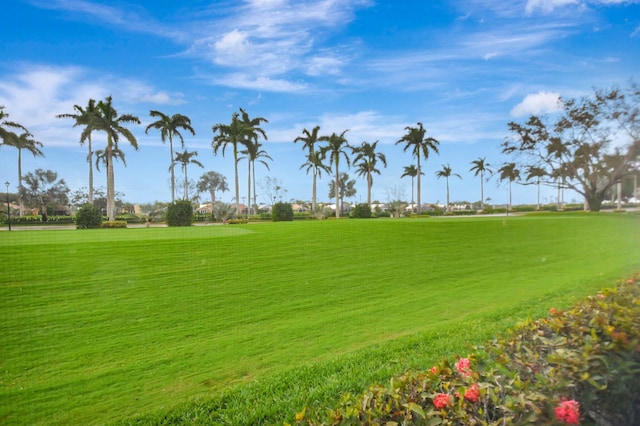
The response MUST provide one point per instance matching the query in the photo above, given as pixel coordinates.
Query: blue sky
(464, 68)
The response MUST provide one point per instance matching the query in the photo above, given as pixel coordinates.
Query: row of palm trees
(325, 153)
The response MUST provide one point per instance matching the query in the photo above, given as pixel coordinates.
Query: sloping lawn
(102, 325)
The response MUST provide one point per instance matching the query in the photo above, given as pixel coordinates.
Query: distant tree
(510, 172)
(336, 148)
(571, 150)
(480, 167)
(212, 182)
(366, 161)
(86, 117)
(23, 141)
(169, 127)
(184, 159)
(314, 161)
(420, 147)
(446, 173)
(346, 189)
(42, 188)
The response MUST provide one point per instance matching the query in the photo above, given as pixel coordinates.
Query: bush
(179, 213)
(114, 224)
(361, 211)
(582, 364)
(88, 217)
(282, 212)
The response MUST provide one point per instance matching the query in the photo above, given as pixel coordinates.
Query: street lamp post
(8, 207)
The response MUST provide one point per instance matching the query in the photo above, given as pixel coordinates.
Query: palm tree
(107, 120)
(239, 131)
(212, 182)
(537, 173)
(336, 148)
(185, 158)
(509, 172)
(480, 166)
(446, 173)
(43, 188)
(254, 131)
(313, 163)
(366, 160)
(168, 127)
(420, 146)
(346, 188)
(24, 141)
(4, 123)
(253, 153)
(412, 172)
(85, 117)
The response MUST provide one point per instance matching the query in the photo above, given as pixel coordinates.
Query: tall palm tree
(313, 163)
(420, 147)
(254, 131)
(412, 172)
(509, 172)
(336, 148)
(446, 173)
(184, 159)
(168, 127)
(107, 120)
(366, 160)
(480, 166)
(536, 173)
(230, 134)
(85, 117)
(239, 131)
(254, 153)
(23, 141)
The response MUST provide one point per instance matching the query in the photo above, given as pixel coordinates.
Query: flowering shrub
(579, 365)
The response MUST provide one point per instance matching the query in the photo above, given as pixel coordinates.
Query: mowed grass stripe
(100, 325)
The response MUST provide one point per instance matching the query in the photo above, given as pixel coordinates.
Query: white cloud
(548, 6)
(538, 103)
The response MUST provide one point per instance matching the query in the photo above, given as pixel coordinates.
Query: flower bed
(581, 366)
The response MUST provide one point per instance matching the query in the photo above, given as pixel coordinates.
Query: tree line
(588, 146)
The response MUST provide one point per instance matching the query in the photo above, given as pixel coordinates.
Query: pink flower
(434, 370)
(568, 412)
(441, 400)
(464, 366)
(472, 394)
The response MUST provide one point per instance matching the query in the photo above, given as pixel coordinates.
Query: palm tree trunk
(313, 192)
(186, 183)
(173, 175)
(538, 194)
(369, 185)
(337, 192)
(237, 181)
(90, 160)
(418, 195)
(20, 182)
(447, 195)
(255, 198)
(248, 186)
(481, 191)
(111, 208)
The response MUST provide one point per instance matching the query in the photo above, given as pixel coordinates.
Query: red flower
(568, 412)
(441, 400)
(434, 370)
(464, 366)
(472, 394)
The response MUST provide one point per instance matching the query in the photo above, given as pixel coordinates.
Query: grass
(252, 322)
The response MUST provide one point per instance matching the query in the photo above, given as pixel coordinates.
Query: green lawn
(102, 325)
